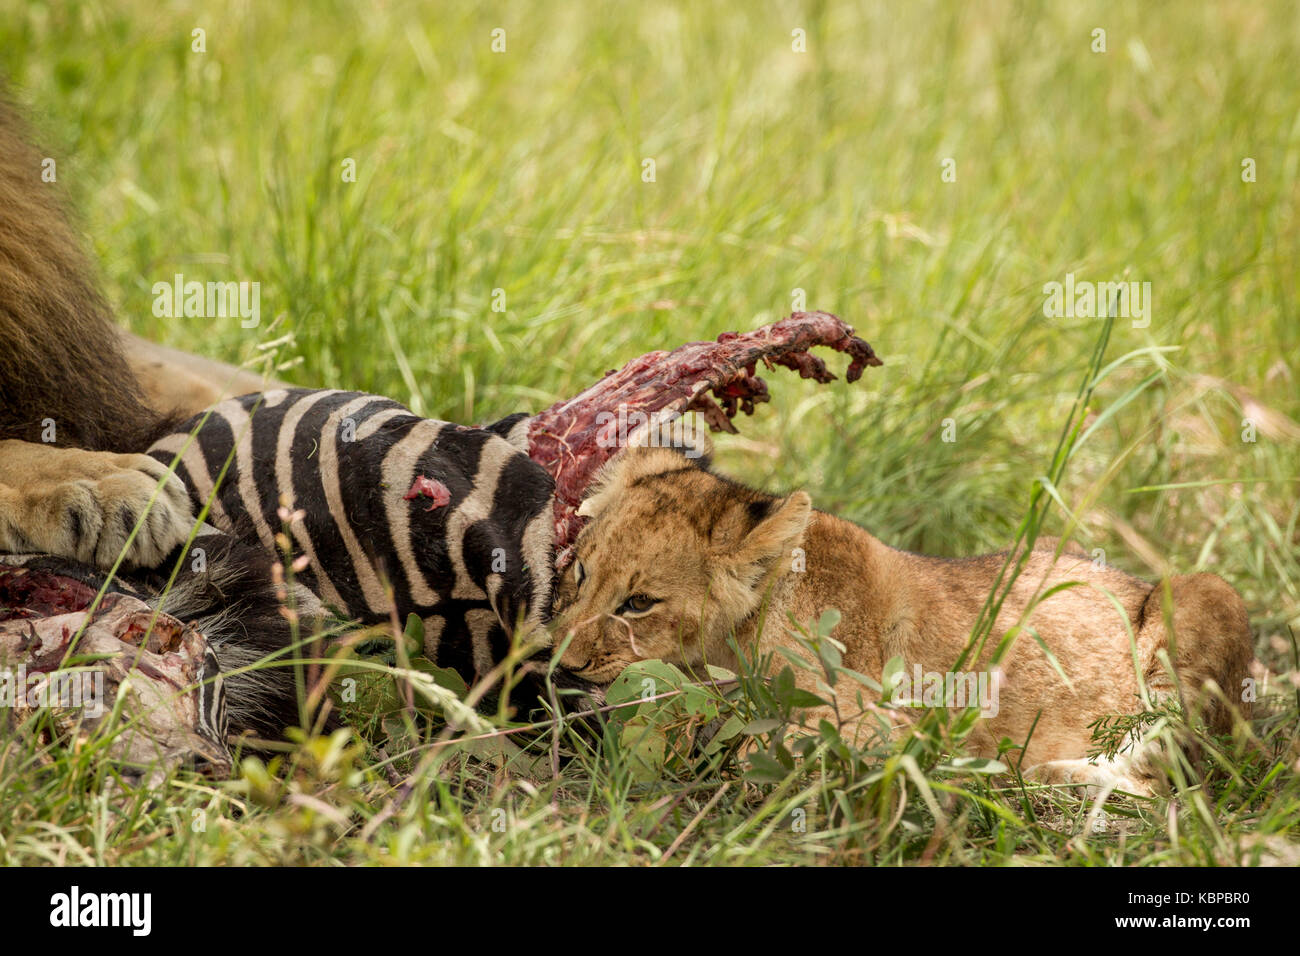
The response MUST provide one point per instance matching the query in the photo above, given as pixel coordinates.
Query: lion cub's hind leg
(83, 504)
(1211, 653)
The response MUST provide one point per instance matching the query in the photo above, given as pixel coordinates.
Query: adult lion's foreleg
(84, 504)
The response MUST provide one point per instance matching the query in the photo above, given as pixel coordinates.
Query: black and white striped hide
(368, 477)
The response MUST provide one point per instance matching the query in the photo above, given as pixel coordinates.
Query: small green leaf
(889, 677)
(442, 676)
(974, 765)
(831, 659)
(805, 745)
(804, 699)
(630, 685)
(646, 747)
(829, 620)
(784, 757)
(764, 769)
(413, 634)
(699, 701)
(783, 686)
(795, 658)
(719, 673)
(862, 679)
(729, 729)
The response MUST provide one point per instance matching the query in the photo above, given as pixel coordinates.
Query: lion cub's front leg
(83, 504)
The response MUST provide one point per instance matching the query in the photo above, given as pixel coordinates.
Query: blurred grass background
(775, 171)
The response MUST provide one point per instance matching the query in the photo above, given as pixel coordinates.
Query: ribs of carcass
(571, 438)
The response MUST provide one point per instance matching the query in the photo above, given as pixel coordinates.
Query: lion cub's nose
(575, 662)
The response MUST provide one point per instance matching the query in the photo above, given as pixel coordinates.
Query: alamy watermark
(1095, 300)
(953, 689)
(74, 908)
(62, 689)
(624, 428)
(213, 300)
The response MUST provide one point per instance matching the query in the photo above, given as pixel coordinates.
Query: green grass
(774, 171)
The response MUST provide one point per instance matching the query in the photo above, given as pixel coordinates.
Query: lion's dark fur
(61, 359)
(60, 355)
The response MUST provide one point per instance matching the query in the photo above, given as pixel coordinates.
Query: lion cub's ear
(685, 435)
(621, 471)
(770, 542)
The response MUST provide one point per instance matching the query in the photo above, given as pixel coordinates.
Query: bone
(572, 438)
(123, 647)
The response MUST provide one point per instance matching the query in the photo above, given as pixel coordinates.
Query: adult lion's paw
(84, 505)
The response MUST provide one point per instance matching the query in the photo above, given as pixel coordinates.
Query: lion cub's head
(672, 560)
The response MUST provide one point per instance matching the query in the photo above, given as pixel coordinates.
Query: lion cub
(675, 559)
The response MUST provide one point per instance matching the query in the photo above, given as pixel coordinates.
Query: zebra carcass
(388, 514)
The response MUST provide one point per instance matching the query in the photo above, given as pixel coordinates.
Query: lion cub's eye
(637, 604)
(579, 573)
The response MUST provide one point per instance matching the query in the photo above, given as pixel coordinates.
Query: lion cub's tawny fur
(676, 558)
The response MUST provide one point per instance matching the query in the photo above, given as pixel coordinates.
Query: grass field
(922, 170)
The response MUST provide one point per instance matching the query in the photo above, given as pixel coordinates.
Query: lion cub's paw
(1097, 777)
(83, 505)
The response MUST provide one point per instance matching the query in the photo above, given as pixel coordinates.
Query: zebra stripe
(212, 718)
(285, 464)
(473, 569)
(372, 589)
(192, 470)
(399, 470)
